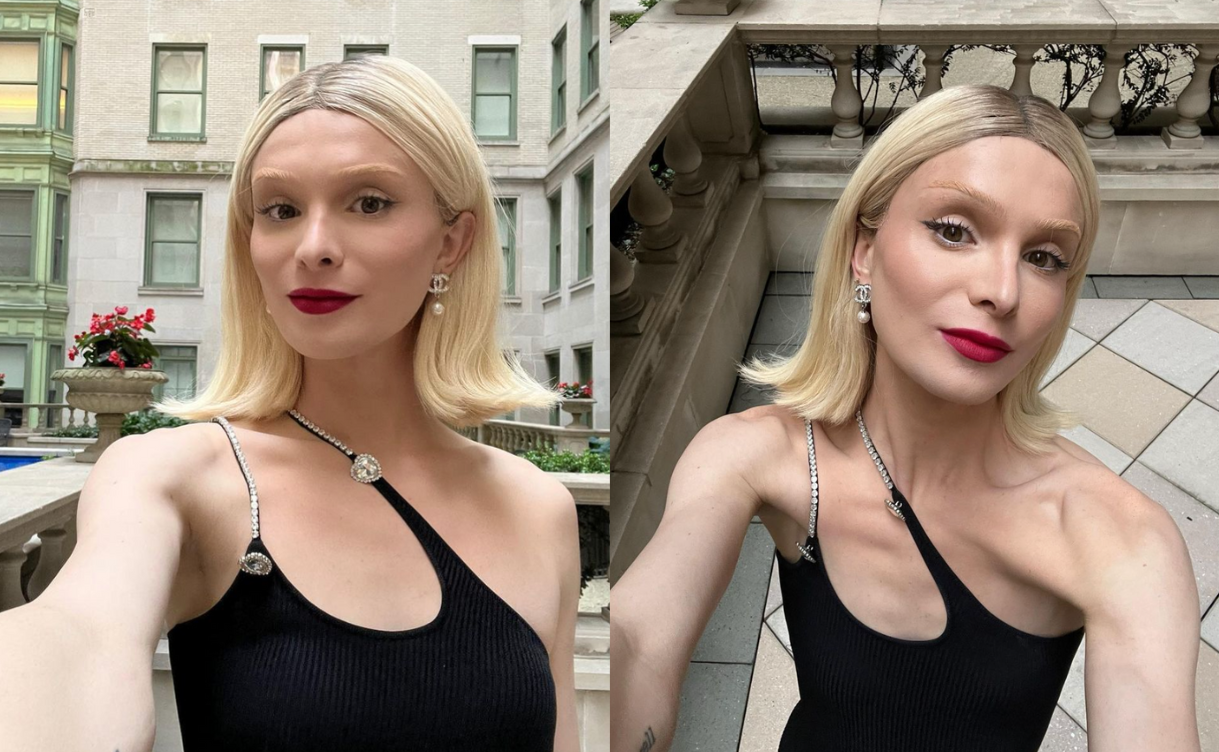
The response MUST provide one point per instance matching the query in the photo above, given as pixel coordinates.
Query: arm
(77, 661)
(1141, 612)
(562, 656)
(662, 603)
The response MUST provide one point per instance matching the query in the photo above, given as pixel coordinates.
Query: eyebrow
(1064, 225)
(272, 173)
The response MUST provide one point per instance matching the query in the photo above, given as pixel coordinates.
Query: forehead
(322, 140)
(1024, 178)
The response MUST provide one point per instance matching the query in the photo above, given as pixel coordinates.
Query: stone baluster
(1106, 101)
(1022, 81)
(1193, 102)
(629, 311)
(682, 153)
(50, 560)
(845, 102)
(10, 578)
(933, 63)
(650, 206)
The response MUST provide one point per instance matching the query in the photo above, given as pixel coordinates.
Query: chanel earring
(440, 283)
(863, 296)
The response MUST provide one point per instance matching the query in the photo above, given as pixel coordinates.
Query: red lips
(976, 345)
(319, 300)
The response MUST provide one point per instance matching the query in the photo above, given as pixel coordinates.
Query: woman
(967, 543)
(310, 605)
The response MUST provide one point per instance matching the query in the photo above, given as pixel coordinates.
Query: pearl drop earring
(863, 296)
(440, 284)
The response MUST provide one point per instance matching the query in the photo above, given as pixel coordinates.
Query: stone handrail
(33, 416)
(514, 436)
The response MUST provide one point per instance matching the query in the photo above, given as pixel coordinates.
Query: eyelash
(936, 225)
(265, 210)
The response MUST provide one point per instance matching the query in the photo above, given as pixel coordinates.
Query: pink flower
(121, 310)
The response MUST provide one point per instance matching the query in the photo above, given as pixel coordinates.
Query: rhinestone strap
(895, 505)
(364, 467)
(245, 470)
(806, 550)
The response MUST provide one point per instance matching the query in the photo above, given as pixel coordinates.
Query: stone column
(629, 311)
(1106, 101)
(1193, 102)
(683, 154)
(933, 62)
(846, 102)
(1021, 82)
(651, 207)
(10, 578)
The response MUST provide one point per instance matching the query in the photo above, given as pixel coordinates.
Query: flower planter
(110, 393)
(577, 407)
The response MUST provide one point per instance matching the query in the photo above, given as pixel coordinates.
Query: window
(179, 80)
(278, 65)
(584, 264)
(13, 358)
(16, 234)
(178, 362)
(19, 82)
(495, 93)
(556, 240)
(507, 241)
(590, 48)
(552, 380)
(54, 389)
(59, 256)
(66, 79)
(558, 81)
(584, 374)
(171, 248)
(358, 50)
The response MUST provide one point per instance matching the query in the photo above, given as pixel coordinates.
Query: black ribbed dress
(265, 670)
(981, 685)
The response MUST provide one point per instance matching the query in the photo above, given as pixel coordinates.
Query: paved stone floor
(1139, 366)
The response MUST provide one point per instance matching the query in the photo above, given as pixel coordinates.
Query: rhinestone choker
(364, 467)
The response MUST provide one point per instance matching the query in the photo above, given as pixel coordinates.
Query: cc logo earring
(440, 284)
(863, 296)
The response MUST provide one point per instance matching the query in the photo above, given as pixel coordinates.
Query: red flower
(121, 310)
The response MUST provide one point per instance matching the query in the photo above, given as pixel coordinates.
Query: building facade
(155, 145)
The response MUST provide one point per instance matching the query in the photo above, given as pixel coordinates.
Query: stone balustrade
(687, 278)
(513, 436)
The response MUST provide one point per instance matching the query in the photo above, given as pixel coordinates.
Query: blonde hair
(832, 371)
(462, 374)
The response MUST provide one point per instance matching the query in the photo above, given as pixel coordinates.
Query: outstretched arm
(662, 603)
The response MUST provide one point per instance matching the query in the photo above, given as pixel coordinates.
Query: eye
(953, 227)
(268, 211)
(376, 203)
(368, 205)
(1058, 263)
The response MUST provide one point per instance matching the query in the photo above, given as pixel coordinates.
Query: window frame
(512, 95)
(33, 192)
(586, 222)
(590, 49)
(555, 204)
(507, 206)
(263, 49)
(375, 49)
(149, 198)
(153, 134)
(56, 195)
(158, 363)
(558, 81)
(65, 90)
(37, 82)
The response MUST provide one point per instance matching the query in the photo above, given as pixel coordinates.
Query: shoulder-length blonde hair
(462, 374)
(831, 373)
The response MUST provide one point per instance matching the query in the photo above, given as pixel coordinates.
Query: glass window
(19, 82)
(507, 242)
(495, 92)
(556, 241)
(54, 389)
(178, 91)
(59, 257)
(278, 65)
(584, 266)
(172, 245)
(356, 50)
(66, 76)
(584, 374)
(16, 234)
(590, 47)
(558, 81)
(552, 380)
(179, 364)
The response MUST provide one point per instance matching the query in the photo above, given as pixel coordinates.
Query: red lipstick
(319, 300)
(976, 345)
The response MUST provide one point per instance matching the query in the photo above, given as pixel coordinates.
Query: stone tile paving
(1147, 344)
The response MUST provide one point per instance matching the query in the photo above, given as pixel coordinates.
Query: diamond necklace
(364, 467)
(895, 505)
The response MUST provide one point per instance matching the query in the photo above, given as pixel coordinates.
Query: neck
(369, 402)
(929, 444)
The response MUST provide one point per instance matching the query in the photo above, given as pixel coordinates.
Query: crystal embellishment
(366, 469)
(895, 506)
(255, 563)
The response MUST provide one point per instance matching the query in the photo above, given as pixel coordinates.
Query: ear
(861, 255)
(456, 243)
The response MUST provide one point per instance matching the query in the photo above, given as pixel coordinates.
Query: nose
(319, 244)
(995, 283)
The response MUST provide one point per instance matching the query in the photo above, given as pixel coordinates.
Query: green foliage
(137, 422)
(624, 20)
(591, 461)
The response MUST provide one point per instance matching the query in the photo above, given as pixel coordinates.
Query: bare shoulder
(748, 439)
(528, 491)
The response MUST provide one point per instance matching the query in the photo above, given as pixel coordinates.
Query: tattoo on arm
(649, 740)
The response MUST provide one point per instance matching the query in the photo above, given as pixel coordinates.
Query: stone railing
(513, 436)
(686, 283)
(40, 417)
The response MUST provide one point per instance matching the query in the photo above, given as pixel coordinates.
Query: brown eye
(954, 233)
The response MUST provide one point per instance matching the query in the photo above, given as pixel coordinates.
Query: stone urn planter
(110, 393)
(576, 407)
